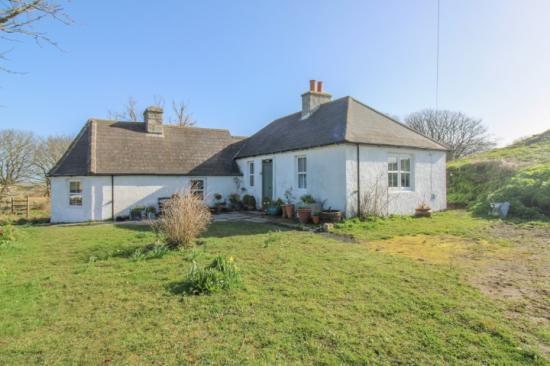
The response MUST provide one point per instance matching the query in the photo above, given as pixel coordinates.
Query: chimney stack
(312, 99)
(153, 120)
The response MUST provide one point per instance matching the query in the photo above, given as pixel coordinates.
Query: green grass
(75, 295)
(454, 222)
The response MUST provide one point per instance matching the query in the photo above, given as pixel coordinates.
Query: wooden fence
(20, 205)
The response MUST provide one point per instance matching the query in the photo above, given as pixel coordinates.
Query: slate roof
(124, 148)
(340, 121)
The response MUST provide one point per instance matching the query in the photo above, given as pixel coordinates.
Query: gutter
(113, 198)
(358, 183)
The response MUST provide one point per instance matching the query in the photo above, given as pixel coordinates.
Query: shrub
(528, 193)
(221, 274)
(185, 217)
(218, 197)
(307, 199)
(249, 201)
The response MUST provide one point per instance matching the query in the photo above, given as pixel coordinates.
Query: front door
(267, 179)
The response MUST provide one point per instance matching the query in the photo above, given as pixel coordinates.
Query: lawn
(81, 295)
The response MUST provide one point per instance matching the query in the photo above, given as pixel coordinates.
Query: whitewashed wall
(326, 174)
(129, 191)
(428, 181)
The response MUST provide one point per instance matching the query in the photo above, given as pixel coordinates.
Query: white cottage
(341, 152)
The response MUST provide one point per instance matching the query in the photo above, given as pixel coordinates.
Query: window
(399, 171)
(302, 172)
(251, 173)
(75, 193)
(197, 188)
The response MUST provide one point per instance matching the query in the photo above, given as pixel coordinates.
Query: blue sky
(241, 64)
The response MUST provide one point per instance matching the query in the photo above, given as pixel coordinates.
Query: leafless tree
(462, 134)
(48, 152)
(130, 112)
(182, 117)
(17, 18)
(17, 150)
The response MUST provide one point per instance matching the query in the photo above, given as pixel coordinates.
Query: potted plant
(220, 204)
(304, 214)
(151, 212)
(288, 207)
(316, 217)
(331, 215)
(423, 210)
(235, 201)
(274, 208)
(249, 202)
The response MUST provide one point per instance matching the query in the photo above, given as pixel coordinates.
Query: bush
(307, 199)
(249, 201)
(221, 274)
(185, 217)
(528, 193)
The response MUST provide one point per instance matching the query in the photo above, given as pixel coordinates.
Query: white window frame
(300, 173)
(400, 172)
(76, 194)
(251, 174)
(194, 190)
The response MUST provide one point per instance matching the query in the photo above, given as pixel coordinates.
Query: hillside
(518, 173)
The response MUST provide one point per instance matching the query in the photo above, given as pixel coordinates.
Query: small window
(251, 173)
(197, 188)
(399, 171)
(75, 193)
(302, 172)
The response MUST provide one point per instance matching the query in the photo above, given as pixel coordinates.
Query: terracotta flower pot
(316, 219)
(423, 212)
(288, 210)
(304, 215)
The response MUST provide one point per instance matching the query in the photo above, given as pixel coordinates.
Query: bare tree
(130, 112)
(182, 117)
(462, 134)
(17, 18)
(48, 152)
(17, 150)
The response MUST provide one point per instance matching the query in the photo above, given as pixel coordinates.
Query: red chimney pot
(319, 87)
(312, 85)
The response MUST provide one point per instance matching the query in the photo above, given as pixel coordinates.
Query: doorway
(267, 179)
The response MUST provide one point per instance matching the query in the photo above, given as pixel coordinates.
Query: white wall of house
(129, 191)
(326, 175)
(428, 178)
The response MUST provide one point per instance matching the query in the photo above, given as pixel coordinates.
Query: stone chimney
(153, 120)
(312, 99)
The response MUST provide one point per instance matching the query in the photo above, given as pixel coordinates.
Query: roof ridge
(71, 147)
(399, 123)
(101, 120)
(93, 138)
(348, 113)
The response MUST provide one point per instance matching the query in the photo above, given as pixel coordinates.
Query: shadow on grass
(179, 288)
(136, 252)
(219, 229)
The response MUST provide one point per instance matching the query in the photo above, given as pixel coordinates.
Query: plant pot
(288, 210)
(304, 215)
(316, 219)
(331, 216)
(423, 212)
(273, 211)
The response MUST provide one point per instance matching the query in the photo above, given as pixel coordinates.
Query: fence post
(28, 207)
(12, 208)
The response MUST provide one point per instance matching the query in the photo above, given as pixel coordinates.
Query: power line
(437, 63)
